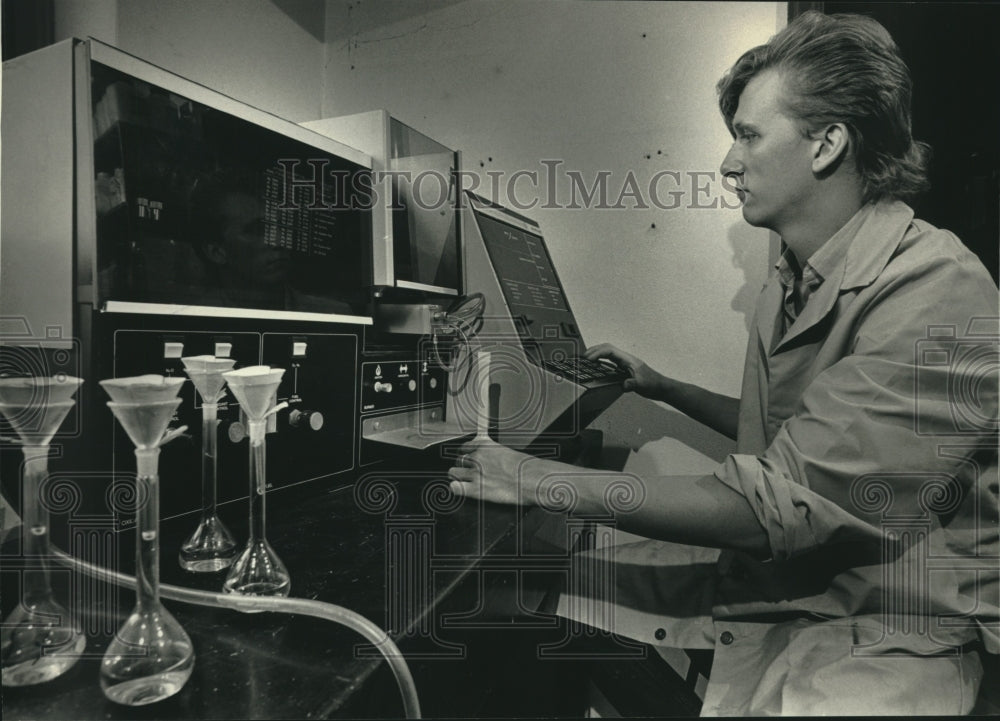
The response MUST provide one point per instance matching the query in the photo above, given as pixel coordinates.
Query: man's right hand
(644, 380)
(713, 409)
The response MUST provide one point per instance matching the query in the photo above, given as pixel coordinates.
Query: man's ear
(215, 253)
(829, 147)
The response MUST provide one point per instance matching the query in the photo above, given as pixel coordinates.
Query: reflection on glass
(424, 230)
(199, 207)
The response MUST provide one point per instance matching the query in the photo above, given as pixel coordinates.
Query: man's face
(255, 263)
(770, 159)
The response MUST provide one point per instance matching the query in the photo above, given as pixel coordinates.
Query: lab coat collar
(881, 231)
(851, 259)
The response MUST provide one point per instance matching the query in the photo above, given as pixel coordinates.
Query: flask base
(149, 659)
(41, 667)
(140, 692)
(258, 572)
(38, 644)
(205, 565)
(210, 547)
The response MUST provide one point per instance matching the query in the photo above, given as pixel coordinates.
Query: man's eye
(748, 137)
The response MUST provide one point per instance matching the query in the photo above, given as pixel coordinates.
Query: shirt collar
(785, 266)
(879, 226)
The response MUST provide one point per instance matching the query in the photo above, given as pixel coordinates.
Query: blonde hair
(843, 69)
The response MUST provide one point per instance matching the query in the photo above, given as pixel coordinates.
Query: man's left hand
(489, 471)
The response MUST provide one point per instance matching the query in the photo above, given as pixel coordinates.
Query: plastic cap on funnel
(142, 389)
(38, 391)
(205, 371)
(36, 424)
(145, 423)
(254, 387)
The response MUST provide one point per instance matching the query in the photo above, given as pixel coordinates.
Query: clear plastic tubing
(317, 609)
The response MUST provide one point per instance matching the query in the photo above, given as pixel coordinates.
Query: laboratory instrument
(151, 656)
(210, 547)
(40, 638)
(257, 571)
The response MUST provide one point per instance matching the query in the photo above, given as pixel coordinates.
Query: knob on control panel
(307, 420)
(235, 430)
(400, 383)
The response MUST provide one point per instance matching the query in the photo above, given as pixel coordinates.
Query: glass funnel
(39, 640)
(211, 546)
(257, 571)
(151, 656)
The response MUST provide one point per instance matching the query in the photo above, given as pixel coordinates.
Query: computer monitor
(542, 388)
(416, 236)
(529, 283)
(198, 209)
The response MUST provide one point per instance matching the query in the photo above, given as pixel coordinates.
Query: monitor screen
(199, 207)
(530, 285)
(424, 223)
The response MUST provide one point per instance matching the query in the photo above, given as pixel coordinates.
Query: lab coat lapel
(769, 313)
(875, 241)
(820, 303)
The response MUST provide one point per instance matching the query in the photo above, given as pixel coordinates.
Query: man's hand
(644, 381)
(485, 469)
(699, 511)
(713, 409)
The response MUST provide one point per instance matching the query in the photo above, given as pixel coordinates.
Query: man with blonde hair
(858, 517)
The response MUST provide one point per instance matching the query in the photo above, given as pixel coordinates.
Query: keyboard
(586, 372)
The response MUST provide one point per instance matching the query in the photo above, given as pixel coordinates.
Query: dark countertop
(277, 666)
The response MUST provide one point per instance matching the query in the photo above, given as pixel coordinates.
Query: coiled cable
(465, 319)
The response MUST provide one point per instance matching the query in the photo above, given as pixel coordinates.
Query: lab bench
(391, 547)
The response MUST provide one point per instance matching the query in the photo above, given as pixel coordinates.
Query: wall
(83, 18)
(267, 53)
(615, 87)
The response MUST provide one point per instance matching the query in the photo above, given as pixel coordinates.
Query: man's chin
(754, 218)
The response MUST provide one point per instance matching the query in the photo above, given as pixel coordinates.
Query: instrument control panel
(394, 384)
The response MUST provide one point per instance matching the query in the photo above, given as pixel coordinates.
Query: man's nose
(732, 164)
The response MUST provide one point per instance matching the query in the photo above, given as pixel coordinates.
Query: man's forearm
(715, 410)
(696, 510)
